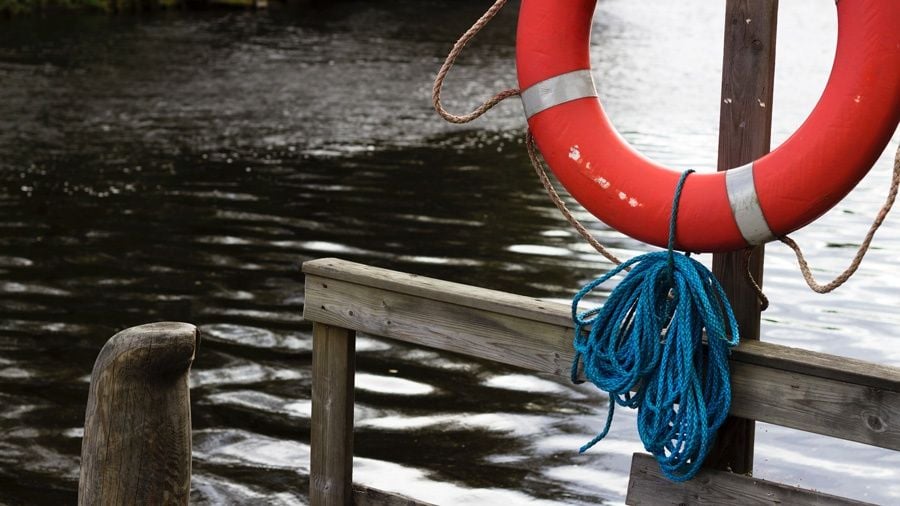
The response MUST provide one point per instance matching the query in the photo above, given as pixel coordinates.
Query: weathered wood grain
(823, 365)
(367, 496)
(776, 384)
(331, 429)
(137, 431)
(832, 408)
(648, 487)
(462, 295)
(475, 332)
(745, 125)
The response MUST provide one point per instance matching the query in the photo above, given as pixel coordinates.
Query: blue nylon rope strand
(644, 347)
(673, 217)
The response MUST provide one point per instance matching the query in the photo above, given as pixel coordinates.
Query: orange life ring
(724, 211)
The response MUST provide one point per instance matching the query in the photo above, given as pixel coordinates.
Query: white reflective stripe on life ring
(558, 90)
(745, 205)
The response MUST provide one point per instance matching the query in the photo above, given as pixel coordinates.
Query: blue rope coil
(645, 347)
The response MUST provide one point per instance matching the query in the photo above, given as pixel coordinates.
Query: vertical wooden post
(331, 438)
(745, 125)
(137, 431)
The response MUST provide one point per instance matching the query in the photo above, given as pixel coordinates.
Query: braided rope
(748, 275)
(863, 248)
(448, 64)
(557, 200)
(644, 347)
(436, 90)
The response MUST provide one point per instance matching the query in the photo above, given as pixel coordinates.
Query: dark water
(183, 166)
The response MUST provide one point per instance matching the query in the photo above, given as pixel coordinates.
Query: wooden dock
(800, 389)
(136, 445)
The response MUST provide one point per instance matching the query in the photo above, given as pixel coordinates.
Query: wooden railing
(800, 389)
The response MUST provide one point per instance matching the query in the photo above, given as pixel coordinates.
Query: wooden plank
(463, 295)
(829, 407)
(781, 391)
(137, 431)
(367, 496)
(447, 326)
(745, 125)
(648, 487)
(823, 365)
(493, 303)
(331, 427)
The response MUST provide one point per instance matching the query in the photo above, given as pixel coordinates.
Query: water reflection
(182, 166)
(254, 337)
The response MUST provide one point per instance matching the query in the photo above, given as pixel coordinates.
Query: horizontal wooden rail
(815, 392)
(648, 487)
(367, 496)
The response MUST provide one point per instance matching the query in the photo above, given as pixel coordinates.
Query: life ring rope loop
(454, 53)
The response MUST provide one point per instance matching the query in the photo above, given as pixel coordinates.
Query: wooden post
(331, 431)
(137, 430)
(745, 124)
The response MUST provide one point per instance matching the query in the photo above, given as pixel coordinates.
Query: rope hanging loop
(645, 347)
(454, 53)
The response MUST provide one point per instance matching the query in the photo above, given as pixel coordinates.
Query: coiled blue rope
(644, 347)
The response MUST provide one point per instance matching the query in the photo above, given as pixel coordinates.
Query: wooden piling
(331, 438)
(137, 430)
(745, 125)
